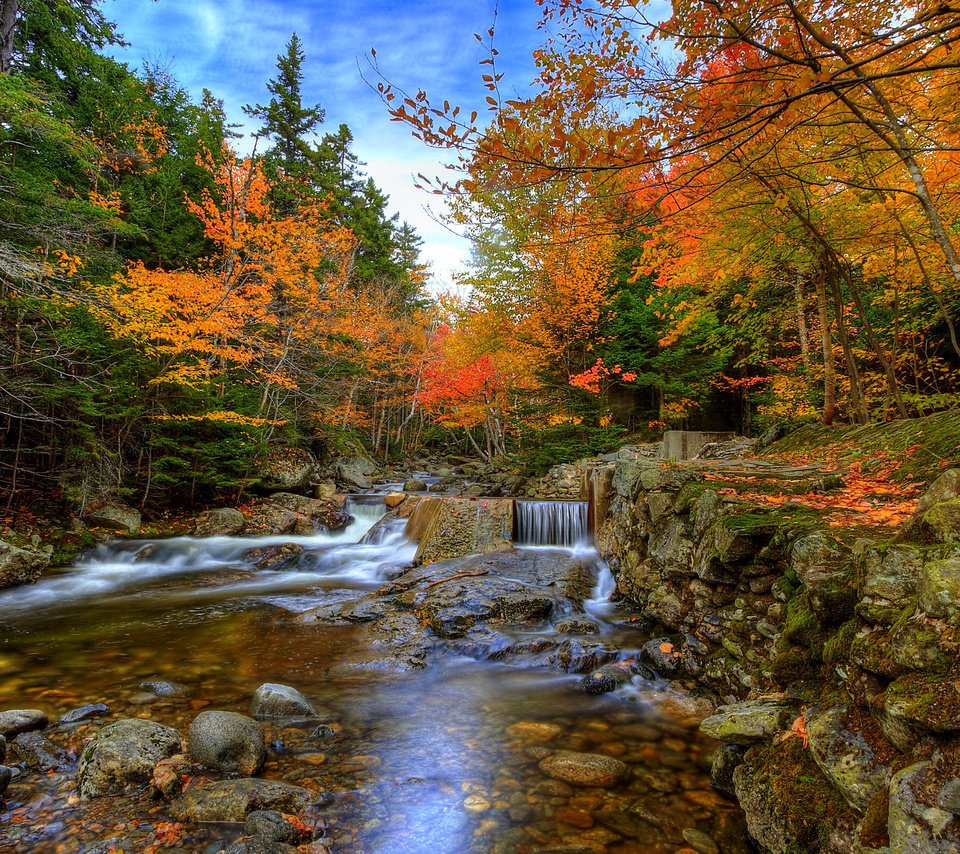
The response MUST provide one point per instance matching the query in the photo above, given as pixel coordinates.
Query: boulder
(748, 722)
(725, 762)
(585, 769)
(354, 473)
(234, 800)
(394, 499)
(843, 752)
(789, 805)
(915, 826)
(6, 775)
(163, 688)
(825, 566)
(324, 513)
(272, 826)
(924, 701)
(123, 754)
(939, 588)
(286, 469)
(663, 656)
(20, 566)
(15, 721)
(272, 700)
(944, 488)
(38, 753)
(267, 518)
(115, 515)
(943, 520)
(222, 522)
(85, 713)
(227, 742)
(412, 484)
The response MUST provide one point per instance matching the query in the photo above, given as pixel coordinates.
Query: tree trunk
(826, 341)
(9, 11)
(802, 332)
(857, 399)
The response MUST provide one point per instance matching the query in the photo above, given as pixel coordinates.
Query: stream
(443, 759)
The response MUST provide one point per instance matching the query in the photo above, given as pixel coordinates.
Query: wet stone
(228, 742)
(584, 769)
(233, 800)
(15, 721)
(39, 753)
(6, 775)
(163, 688)
(271, 826)
(272, 700)
(85, 713)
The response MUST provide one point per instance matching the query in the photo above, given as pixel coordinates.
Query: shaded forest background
(753, 224)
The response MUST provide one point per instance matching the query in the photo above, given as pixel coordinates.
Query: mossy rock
(873, 653)
(801, 627)
(789, 805)
(926, 701)
(836, 649)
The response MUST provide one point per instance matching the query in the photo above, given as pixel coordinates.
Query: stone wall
(845, 638)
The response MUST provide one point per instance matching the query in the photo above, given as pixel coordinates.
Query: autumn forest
(742, 214)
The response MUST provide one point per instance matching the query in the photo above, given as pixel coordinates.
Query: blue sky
(231, 47)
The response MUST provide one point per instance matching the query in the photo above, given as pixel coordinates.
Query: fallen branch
(455, 577)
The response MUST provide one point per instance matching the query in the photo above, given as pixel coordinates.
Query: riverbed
(441, 759)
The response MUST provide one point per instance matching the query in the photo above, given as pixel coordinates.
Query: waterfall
(550, 523)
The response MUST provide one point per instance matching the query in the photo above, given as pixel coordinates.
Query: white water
(551, 523)
(119, 569)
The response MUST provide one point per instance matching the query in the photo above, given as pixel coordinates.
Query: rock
(273, 557)
(20, 566)
(85, 713)
(788, 804)
(122, 754)
(280, 701)
(222, 522)
(577, 626)
(584, 769)
(6, 775)
(394, 499)
(266, 518)
(701, 842)
(115, 515)
(725, 762)
(233, 800)
(227, 742)
(256, 845)
(325, 489)
(456, 527)
(949, 797)
(163, 688)
(939, 588)
(944, 488)
(38, 753)
(272, 826)
(412, 484)
(170, 774)
(286, 469)
(3, 748)
(890, 573)
(923, 701)
(843, 753)
(748, 722)
(914, 826)
(943, 520)
(325, 514)
(15, 721)
(605, 679)
(354, 472)
(664, 657)
(825, 566)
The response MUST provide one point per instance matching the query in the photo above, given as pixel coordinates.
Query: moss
(837, 647)
(800, 626)
(872, 832)
(68, 547)
(797, 801)
(917, 446)
(689, 493)
(788, 666)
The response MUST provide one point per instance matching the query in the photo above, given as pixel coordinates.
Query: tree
(285, 118)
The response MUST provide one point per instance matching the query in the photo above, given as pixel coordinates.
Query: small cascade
(550, 523)
(366, 511)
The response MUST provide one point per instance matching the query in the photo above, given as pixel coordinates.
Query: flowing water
(556, 523)
(439, 760)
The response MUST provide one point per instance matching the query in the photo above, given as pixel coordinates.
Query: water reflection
(445, 759)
